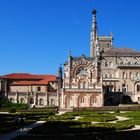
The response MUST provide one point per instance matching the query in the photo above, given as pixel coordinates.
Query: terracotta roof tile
(25, 76)
(40, 82)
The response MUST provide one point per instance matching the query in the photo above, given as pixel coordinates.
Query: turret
(93, 35)
(59, 78)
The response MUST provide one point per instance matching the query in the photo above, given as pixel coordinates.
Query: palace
(109, 76)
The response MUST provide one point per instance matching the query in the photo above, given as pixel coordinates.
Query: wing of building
(35, 90)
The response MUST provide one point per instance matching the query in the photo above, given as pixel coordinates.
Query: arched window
(137, 75)
(130, 75)
(110, 75)
(22, 101)
(138, 88)
(12, 100)
(106, 75)
(31, 101)
(94, 100)
(41, 101)
(82, 85)
(110, 64)
(123, 88)
(123, 75)
(82, 100)
(106, 64)
(52, 102)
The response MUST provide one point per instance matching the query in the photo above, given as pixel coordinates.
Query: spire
(93, 35)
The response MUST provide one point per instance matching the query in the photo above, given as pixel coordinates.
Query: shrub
(116, 110)
(19, 106)
(12, 110)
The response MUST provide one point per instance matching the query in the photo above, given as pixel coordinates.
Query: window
(123, 88)
(94, 100)
(52, 102)
(41, 102)
(106, 76)
(106, 64)
(82, 85)
(138, 88)
(11, 100)
(110, 64)
(22, 101)
(130, 75)
(82, 100)
(38, 88)
(138, 98)
(110, 75)
(31, 101)
(137, 75)
(123, 75)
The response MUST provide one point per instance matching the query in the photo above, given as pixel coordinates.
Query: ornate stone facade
(110, 75)
(81, 88)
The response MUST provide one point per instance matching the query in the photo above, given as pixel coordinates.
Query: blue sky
(36, 35)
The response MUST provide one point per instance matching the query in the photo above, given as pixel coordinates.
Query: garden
(103, 125)
(86, 125)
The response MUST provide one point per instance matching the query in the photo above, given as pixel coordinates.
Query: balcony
(110, 79)
(133, 65)
(82, 90)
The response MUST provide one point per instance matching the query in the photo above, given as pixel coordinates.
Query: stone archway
(69, 101)
(22, 100)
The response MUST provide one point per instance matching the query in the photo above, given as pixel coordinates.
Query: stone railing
(110, 78)
(82, 90)
(128, 65)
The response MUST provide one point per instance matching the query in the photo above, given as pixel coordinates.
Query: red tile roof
(34, 79)
(40, 82)
(26, 76)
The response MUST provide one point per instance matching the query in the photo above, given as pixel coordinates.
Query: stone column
(17, 97)
(62, 101)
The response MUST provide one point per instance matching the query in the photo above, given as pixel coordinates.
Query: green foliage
(12, 110)
(98, 118)
(19, 106)
(4, 103)
(116, 111)
(60, 117)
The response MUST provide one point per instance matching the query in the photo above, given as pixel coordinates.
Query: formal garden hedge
(66, 127)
